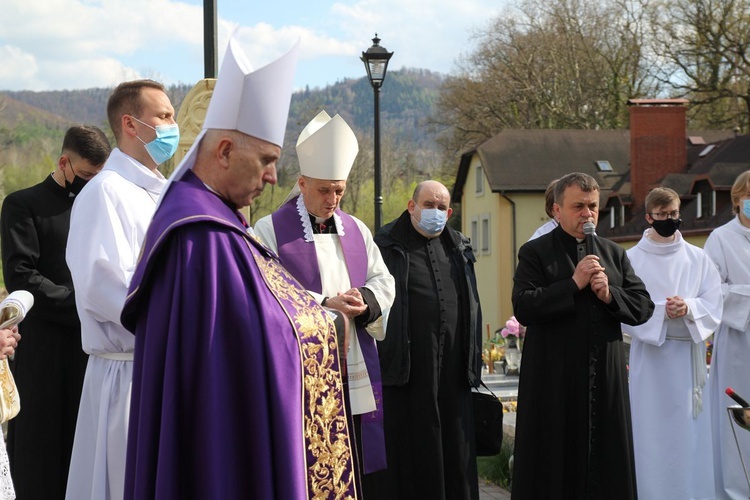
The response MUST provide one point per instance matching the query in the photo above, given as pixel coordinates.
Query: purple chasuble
(236, 388)
(301, 260)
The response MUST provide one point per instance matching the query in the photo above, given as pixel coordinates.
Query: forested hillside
(406, 101)
(32, 125)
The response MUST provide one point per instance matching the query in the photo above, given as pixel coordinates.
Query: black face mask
(75, 186)
(667, 227)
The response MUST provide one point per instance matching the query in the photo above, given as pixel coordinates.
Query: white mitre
(326, 149)
(255, 103)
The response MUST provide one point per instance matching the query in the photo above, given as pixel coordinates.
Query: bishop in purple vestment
(237, 391)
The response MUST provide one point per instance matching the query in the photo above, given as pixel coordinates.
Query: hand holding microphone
(589, 231)
(589, 264)
(598, 279)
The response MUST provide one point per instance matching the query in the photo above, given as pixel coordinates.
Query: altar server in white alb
(549, 207)
(729, 248)
(333, 256)
(668, 392)
(107, 227)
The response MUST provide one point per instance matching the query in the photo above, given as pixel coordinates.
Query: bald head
(433, 187)
(430, 197)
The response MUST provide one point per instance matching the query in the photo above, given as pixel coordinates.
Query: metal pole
(210, 41)
(378, 195)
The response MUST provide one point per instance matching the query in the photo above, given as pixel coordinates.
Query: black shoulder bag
(488, 422)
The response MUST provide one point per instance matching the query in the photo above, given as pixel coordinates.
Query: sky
(79, 44)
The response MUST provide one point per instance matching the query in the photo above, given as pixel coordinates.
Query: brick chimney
(658, 143)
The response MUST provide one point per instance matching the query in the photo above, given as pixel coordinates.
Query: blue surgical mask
(746, 208)
(165, 145)
(432, 221)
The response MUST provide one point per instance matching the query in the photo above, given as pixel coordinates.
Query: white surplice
(729, 248)
(334, 278)
(544, 228)
(668, 394)
(7, 492)
(107, 226)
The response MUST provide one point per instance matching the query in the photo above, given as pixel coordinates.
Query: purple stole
(300, 258)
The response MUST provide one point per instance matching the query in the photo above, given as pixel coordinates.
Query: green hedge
(496, 469)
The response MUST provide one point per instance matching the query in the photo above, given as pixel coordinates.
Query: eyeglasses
(674, 214)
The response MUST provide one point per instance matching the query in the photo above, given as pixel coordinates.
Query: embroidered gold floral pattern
(9, 402)
(330, 467)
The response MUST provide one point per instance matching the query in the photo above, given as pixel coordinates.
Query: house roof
(527, 160)
(530, 159)
(723, 175)
(728, 158)
(681, 183)
(720, 165)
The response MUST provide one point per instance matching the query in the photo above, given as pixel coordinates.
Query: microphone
(589, 230)
(730, 392)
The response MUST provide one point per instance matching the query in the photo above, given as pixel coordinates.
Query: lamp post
(209, 39)
(376, 62)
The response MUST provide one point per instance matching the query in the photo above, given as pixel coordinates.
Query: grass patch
(496, 469)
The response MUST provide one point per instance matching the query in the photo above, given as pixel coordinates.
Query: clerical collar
(56, 181)
(61, 186)
(308, 222)
(321, 225)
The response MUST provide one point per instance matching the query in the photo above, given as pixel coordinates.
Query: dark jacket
(394, 350)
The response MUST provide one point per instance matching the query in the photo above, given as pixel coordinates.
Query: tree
(704, 46)
(360, 174)
(559, 64)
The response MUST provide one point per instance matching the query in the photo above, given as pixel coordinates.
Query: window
(707, 150)
(485, 234)
(616, 216)
(604, 166)
(480, 180)
(705, 204)
(699, 206)
(475, 233)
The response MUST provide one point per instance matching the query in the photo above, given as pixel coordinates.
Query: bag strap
(488, 389)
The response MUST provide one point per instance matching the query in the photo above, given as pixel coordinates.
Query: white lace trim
(304, 217)
(7, 492)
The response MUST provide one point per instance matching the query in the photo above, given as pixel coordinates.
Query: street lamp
(376, 62)
(209, 39)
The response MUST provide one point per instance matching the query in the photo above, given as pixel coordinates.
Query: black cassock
(428, 421)
(573, 432)
(49, 364)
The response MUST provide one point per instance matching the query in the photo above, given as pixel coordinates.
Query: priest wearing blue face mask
(107, 228)
(431, 355)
